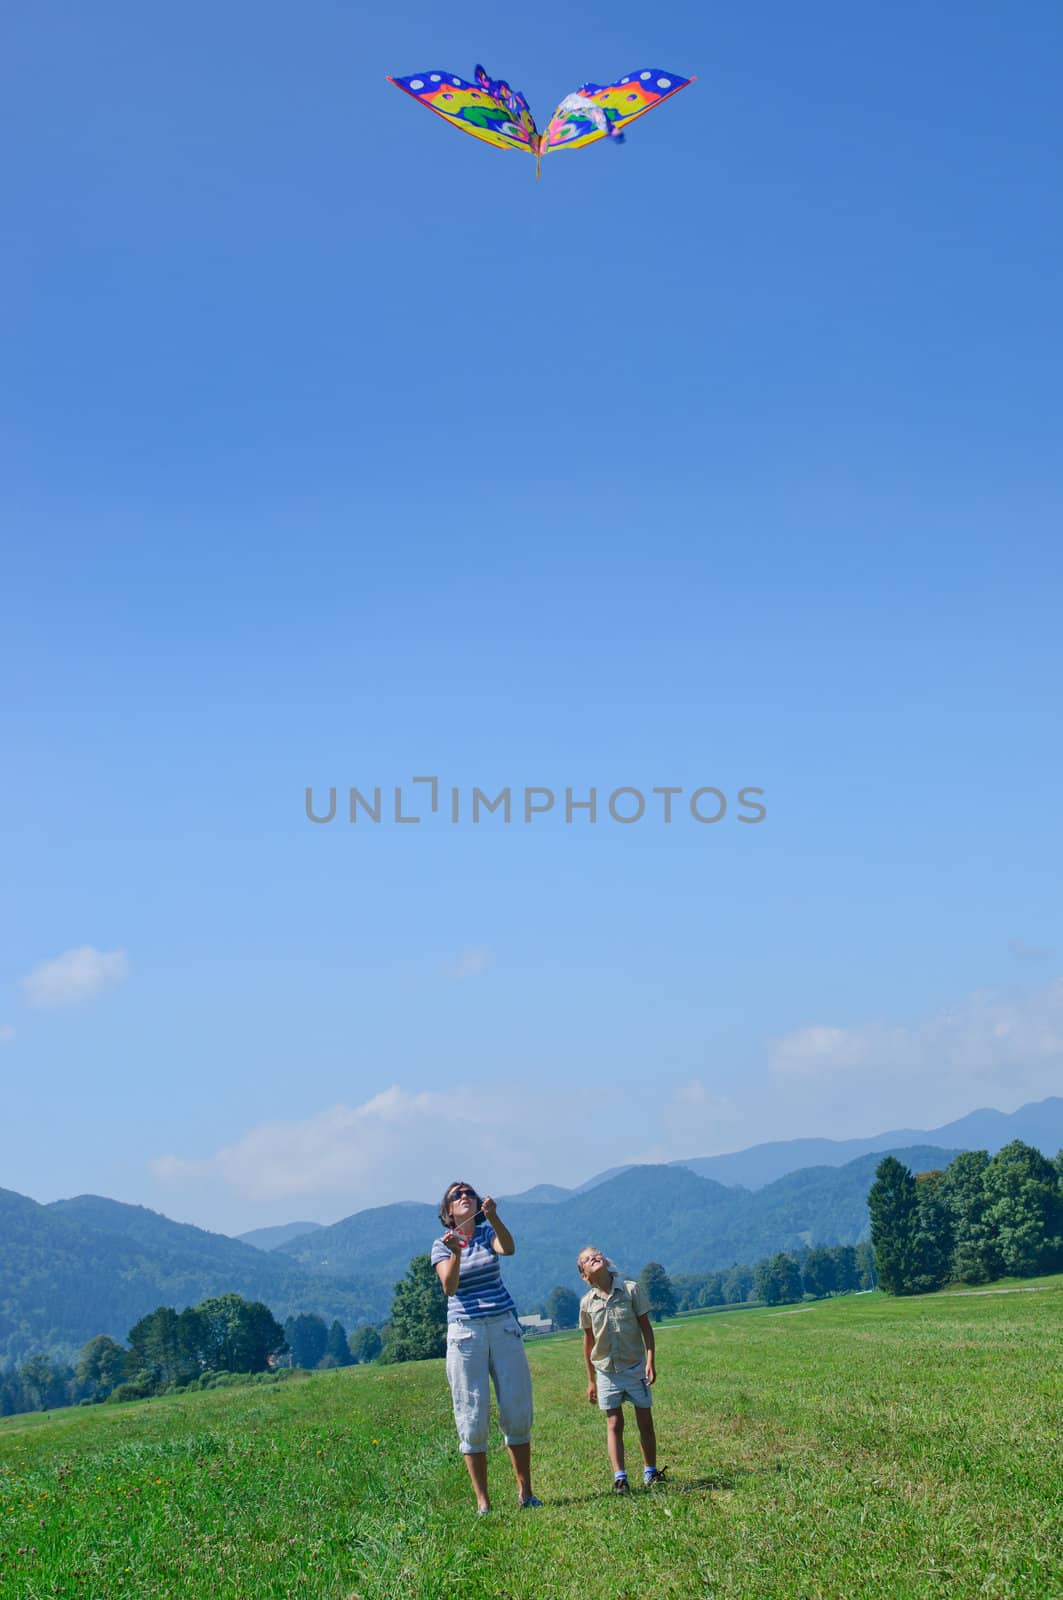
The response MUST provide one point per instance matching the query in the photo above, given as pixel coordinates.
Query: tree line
(223, 1339)
(417, 1330)
(978, 1219)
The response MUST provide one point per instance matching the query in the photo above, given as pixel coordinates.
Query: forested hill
(76, 1268)
(659, 1213)
(81, 1267)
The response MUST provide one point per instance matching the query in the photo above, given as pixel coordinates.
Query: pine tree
(337, 1347)
(418, 1327)
(307, 1338)
(864, 1261)
(894, 1220)
(846, 1276)
(932, 1244)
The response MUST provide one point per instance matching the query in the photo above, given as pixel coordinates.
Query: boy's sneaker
(621, 1485)
(654, 1476)
(530, 1502)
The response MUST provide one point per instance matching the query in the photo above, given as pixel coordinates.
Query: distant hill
(79, 1267)
(270, 1238)
(1039, 1123)
(91, 1265)
(543, 1194)
(661, 1213)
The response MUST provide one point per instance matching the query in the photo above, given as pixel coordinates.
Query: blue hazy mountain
(270, 1238)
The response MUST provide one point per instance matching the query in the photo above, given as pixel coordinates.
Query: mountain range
(75, 1268)
(646, 1213)
(1039, 1123)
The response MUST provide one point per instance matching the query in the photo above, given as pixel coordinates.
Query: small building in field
(536, 1324)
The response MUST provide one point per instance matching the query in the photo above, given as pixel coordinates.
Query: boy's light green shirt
(613, 1320)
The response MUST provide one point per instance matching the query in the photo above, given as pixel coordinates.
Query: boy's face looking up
(593, 1268)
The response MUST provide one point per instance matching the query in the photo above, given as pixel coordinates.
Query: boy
(618, 1348)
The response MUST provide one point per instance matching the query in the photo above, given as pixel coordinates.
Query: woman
(484, 1338)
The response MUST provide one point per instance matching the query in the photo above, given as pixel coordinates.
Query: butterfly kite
(490, 110)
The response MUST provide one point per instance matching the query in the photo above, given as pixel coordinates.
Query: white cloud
(391, 1147)
(74, 976)
(470, 963)
(991, 1043)
(7, 1033)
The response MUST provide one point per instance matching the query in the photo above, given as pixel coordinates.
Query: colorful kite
(490, 110)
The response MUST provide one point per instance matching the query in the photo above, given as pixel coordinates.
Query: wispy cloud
(7, 1033)
(471, 963)
(74, 976)
(339, 1148)
(994, 1043)
(396, 1145)
(694, 1120)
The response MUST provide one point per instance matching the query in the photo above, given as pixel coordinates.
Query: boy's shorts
(627, 1384)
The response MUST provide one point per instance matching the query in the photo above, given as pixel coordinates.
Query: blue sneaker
(530, 1502)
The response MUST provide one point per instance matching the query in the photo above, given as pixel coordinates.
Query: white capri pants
(480, 1349)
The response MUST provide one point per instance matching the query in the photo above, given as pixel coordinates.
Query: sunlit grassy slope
(863, 1447)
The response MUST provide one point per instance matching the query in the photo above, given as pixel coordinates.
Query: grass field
(863, 1447)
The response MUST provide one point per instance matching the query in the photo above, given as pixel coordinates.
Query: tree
(44, 1382)
(963, 1191)
(778, 1280)
(307, 1338)
(337, 1346)
(711, 1292)
(737, 1284)
(846, 1276)
(165, 1349)
(366, 1344)
(1024, 1210)
(818, 1274)
(894, 1220)
(238, 1335)
(418, 1327)
(932, 1242)
(562, 1307)
(101, 1366)
(658, 1286)
(864, 1261)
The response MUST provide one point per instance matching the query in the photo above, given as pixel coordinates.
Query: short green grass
(863, 1447)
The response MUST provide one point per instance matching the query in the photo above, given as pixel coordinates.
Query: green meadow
(848, 1448)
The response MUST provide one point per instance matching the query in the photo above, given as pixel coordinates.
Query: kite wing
(472, 108)
(596, 113)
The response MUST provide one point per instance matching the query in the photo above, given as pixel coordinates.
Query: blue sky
(335, 450)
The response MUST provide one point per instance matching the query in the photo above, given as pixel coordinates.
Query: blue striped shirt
(480, 1291)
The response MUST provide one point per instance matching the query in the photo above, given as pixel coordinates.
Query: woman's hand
(453, 1242)
(592, 1392)
(488, 1207)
